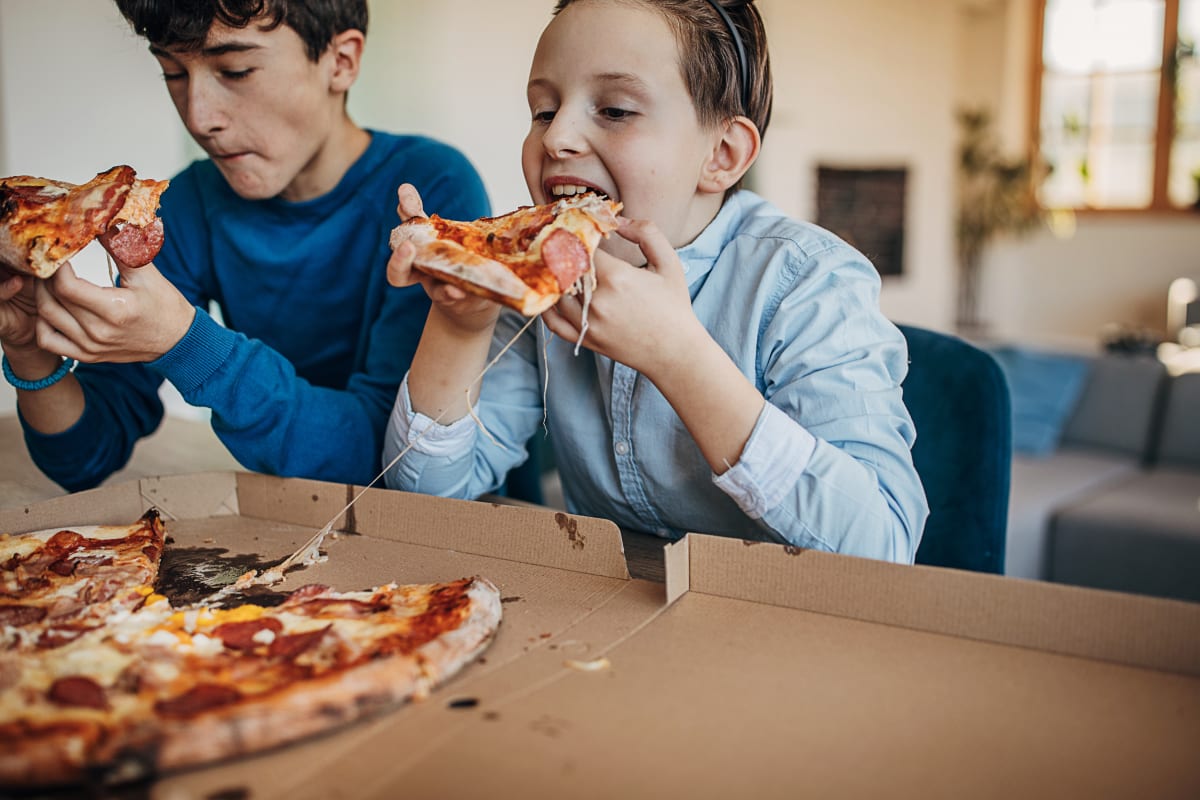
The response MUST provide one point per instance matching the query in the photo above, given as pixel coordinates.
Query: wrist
(25, 380)
(30, 363)
(678, 353)
(465, 326)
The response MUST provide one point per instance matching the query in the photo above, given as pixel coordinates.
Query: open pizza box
(754, 670)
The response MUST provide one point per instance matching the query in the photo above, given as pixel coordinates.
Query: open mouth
(560, 190)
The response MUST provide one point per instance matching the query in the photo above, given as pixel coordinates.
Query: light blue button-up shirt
(828, 465)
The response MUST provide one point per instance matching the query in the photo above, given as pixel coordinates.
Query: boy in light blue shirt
(737, 376)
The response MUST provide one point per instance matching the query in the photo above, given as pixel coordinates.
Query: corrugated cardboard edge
(1134, 630)
(515, 533)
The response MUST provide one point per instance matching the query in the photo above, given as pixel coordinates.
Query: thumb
(131, 277)
(409, 205)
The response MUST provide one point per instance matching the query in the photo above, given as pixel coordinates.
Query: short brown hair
(170, 23)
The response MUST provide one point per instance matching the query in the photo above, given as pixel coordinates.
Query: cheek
(531, 165)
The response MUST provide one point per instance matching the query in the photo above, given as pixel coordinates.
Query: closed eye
(615, 113)
(236, 75)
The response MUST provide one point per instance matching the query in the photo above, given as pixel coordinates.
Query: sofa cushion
(1142, 535)
(1117, 407)
(1179, 437)
(1044, 388)
(1042, 485)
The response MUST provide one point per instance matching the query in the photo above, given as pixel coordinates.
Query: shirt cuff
(195, 357)
(426, 435)
(773, 459)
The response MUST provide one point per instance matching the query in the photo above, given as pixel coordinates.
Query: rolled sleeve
(774, 458)
(425, 434)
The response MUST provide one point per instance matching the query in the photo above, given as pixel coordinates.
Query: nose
(563, 138)
(205, 113)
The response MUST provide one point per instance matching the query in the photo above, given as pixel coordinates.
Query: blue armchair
(959, 401)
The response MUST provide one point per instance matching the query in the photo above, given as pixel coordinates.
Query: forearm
(120, 405)
(442, 381)
(271, 419)
(50, 410)
(715, 401)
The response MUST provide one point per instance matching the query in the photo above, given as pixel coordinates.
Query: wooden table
(178, 447)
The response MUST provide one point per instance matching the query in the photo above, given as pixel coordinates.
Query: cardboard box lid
(777, 672)
(774, 671)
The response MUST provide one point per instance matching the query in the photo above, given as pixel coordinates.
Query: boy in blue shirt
(737, 376)
(284, 227)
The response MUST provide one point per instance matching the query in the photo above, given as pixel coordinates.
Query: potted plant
(996, 195)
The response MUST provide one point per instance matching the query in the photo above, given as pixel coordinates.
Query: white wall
(864, 84)
(858, 83)
(79, 93)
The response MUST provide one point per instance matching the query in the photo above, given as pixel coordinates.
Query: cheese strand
(310, 551)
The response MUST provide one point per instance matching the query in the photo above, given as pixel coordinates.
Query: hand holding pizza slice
(44, 222)
(526, 259)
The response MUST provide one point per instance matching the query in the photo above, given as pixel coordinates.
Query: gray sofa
(1117, 504)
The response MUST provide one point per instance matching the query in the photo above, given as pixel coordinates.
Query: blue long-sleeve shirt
(302, 376)
(828, 465)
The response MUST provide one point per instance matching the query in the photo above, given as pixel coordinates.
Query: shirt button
(622, 448)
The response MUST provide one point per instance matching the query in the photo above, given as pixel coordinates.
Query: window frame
(1160, 200)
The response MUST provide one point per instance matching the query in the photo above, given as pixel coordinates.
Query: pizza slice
(44, 222)
(526, 259)
(161, 689)
(57, 584)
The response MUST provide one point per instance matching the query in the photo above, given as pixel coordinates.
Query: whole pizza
(101, 675)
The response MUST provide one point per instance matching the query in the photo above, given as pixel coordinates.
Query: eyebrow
(627, 79)
(214, 50)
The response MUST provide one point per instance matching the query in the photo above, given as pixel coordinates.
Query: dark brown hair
(709, 57)
(170, 23)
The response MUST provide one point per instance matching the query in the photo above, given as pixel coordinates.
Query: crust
(526, 283)
(313, 707)
(470, 271)
(154, 744)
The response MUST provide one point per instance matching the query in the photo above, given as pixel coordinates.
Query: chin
(249, 187)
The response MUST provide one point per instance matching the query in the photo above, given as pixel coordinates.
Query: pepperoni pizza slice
(58, 584)
(141, 687)
(526, 259)
(44, 222)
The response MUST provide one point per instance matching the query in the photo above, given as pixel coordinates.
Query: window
(1117, 103)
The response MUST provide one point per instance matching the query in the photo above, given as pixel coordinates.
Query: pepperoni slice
(134, 246)
(18, 615)
(566, 257)
(240, 635)
(77, 690)
(289, 647)
(200, 697)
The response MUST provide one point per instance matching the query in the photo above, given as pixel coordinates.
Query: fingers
(410, 202)
(654, 245)
(10, 287)
(559, 324)
(400, 272)
(399, 266)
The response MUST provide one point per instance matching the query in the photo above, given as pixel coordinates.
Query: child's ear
(732, 154)
(347, 49)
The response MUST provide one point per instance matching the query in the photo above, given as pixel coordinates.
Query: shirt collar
(699, 256)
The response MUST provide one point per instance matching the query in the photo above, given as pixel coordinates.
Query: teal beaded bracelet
(32, 386)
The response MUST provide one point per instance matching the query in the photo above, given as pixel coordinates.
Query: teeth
(568, 190)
